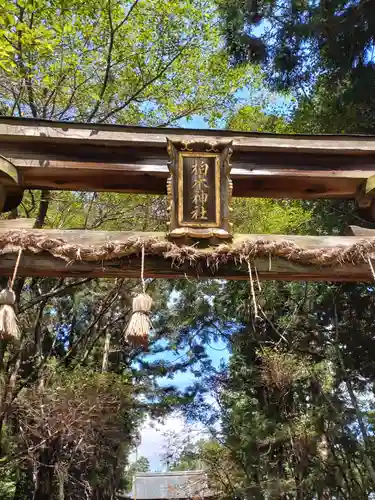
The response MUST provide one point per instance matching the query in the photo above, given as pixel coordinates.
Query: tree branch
(108, 66)
(179, 116)
(54, 293)
(108, 301)
(51, 96)
(61, 114)
(24, 71)
(17, 100)
(114, 30)
(43, 208)
(131, 8)
(94, 341)
(144, 86)
(367, 445)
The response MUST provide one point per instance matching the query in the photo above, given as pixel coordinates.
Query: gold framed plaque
(199, 190)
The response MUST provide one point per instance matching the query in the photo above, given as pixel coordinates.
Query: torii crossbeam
(76, 253)
(37, 154)
(88, 157)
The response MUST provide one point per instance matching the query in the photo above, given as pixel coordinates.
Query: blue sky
(270, 102)
(153, 433)
(217, 351)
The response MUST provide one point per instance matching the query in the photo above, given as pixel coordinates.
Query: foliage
(291, 405)
(189, 458)
(261, 215)
(253, 119)
(289, 416)
(8, 474)
(99, 61)
(72, 421)
(141, 465)
(96, 62)
(289, 401)
(323, 51)
(65, 326)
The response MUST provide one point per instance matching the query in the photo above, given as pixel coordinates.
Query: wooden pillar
(11, 191)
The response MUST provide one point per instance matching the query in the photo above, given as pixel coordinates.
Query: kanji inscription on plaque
(199, 190)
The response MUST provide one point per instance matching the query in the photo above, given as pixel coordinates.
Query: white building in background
(186, 485)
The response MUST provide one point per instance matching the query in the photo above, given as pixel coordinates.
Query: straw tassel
(138, 329)
(8, 320)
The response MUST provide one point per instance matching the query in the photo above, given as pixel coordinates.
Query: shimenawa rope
(355, 253)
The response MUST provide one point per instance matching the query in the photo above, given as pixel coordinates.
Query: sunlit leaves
(134, 62)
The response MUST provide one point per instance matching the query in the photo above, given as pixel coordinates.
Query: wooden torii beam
(42, 263)
(39, 154)
(88, 157)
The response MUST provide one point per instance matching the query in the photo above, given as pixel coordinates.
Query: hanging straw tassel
(138, 329)
(8, 320)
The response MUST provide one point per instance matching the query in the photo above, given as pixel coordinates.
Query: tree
(187, 458)
(141, 465)
(95, 62)
(262, 215)
(254, 119)
(65, 327)
(99, 61)
(71, 427)
(292, 424)
(290, 401)
(322, 51)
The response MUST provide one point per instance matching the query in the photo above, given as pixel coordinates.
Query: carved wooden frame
(221, 228)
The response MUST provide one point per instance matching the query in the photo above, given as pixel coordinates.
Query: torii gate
(38, 154)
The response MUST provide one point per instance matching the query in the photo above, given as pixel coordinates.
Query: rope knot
(7, 297)
(142, 303)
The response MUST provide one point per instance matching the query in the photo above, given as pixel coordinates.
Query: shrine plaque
(199, 190)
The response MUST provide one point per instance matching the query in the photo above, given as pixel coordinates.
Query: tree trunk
(43, 484)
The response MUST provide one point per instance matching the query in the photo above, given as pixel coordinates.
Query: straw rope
(14, 276)
(358, 252)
